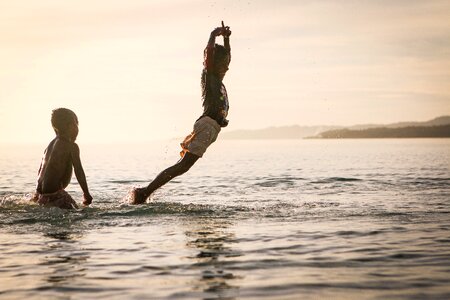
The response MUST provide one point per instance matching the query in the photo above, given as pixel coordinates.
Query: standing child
(60, 156)
(207, 127)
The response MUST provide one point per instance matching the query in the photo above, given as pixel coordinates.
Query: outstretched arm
(226, 32)
(209, 50)
(79, 173)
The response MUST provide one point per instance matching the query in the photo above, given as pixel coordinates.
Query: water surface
(361, 219)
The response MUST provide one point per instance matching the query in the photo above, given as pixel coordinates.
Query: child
(55, 171)
(207, 127)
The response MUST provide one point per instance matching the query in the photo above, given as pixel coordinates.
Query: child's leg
(181, 167)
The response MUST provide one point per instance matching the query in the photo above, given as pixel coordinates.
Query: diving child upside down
(215, 110)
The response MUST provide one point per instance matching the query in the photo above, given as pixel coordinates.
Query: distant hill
(444, 120)
(300, 132)
(286, 132)
(441, 131)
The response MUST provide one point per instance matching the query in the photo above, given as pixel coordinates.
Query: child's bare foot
(138, 196)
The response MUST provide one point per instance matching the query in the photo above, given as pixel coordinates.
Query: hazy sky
(131, 69)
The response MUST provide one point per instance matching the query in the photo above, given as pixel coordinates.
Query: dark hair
(221, 54)
(62, 118)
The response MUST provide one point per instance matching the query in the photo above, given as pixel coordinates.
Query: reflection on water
(49, 262)
(63, 259)
(212, 239)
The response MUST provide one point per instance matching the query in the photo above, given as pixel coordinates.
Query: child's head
(222, 58)
(65, 123)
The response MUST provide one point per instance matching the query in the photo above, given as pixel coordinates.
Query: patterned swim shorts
(204, 134)
(59, 199)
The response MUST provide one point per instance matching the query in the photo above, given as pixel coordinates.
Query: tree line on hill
(442, 131)
(435, 128)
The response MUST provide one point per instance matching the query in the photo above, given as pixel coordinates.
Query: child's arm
(226, 32)
(39, 182)
(79, 173)
(209, 50)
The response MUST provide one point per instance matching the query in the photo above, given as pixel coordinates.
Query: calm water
(340, 219)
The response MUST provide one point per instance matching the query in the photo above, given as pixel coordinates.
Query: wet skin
(56, 166)
(60, 156)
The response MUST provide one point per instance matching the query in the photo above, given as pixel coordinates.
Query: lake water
(289, 219)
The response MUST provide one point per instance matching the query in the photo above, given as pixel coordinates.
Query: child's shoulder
(62, 144)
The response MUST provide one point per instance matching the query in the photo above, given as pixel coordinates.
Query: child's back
(56, 167)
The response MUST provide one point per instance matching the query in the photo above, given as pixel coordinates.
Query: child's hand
(217, 31)
(226, 32)
(87, 199)
(35, 197)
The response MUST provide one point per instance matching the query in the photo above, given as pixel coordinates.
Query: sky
(131, 69)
